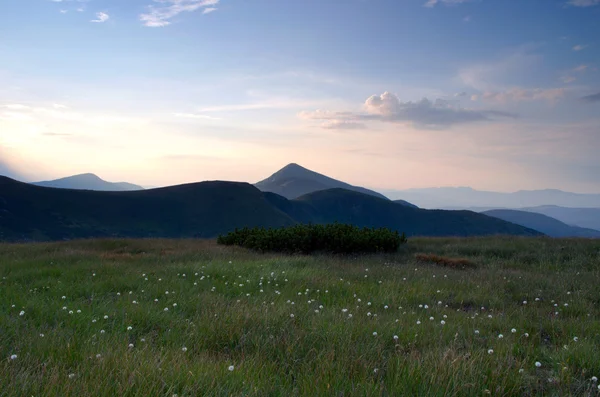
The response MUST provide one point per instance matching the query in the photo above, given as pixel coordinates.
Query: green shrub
(306, 239)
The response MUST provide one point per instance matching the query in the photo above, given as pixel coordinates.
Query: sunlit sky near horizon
(389, 94)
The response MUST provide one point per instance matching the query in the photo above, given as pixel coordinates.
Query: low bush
(306, 239)
(455, 263)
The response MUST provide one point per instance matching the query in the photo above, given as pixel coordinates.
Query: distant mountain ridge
(466, 197)
(88, 182)
(543, 223)
(207, 209)
(293, 181)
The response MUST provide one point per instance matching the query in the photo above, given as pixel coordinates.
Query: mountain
(345, 206)
(545, 224)
(405, 203)
(466, 197)
(582, 217)
(88, 182)
(293, 181)
(207, 209)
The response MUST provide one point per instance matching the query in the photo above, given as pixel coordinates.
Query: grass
(231, 307)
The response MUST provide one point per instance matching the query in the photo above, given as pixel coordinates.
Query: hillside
(88, 182)
(545, 224)
(204, 209)
(208, 209)
(344, 206)
(293, 181)
(582, 217)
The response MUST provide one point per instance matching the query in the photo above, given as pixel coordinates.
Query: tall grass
(434, 324)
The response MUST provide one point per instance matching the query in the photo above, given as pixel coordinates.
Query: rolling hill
(582, 217)
(545, 224)
(207, 209)
(293, 181)
(88, 182)
(345, 206)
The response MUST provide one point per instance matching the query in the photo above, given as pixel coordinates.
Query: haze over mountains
(466, 197)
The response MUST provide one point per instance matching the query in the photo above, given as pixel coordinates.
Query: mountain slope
(545, 224)
(582, 217)
(207, 209)
(344, 206)
(88, 182)
(293, 181)
(195, 210)
(466, 197)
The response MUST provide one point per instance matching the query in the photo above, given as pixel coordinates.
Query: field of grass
(189, 318)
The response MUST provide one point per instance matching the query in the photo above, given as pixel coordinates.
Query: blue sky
(494, 94)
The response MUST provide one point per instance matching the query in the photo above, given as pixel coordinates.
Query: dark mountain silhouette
(88, 182)
(545, 224)
(466, 197)
(207, 209)
(582, 217)
(195, 210)
(293, 181)
(345, 206)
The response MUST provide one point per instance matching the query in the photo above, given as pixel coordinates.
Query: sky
(389, 94)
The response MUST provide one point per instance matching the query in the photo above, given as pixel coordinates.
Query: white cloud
(523, 94)
(583, 3)
(579, 47)
(433, 3)
(159, 16)
(209, 10)
(101, 17)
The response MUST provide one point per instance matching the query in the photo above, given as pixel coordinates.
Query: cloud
(522, 94)
(343, 125)
(579, 47)
(433, 3)
(422, 114)
(101, 17)
(580, 68)
(159, 16)
(196, 116)
(583, 3)
(591, 98)
(460, 94)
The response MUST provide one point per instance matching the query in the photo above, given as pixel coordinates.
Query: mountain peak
(293, 181)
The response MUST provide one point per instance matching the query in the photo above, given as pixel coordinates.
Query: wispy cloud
(159, 16)
(522, 94)
(343, 125)
(196, 116)
(421, 114)
(591, 98)
(433, 3)
(579, 47)
(101, 17)
(583, 3)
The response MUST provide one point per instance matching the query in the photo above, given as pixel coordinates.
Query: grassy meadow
(190, 318)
